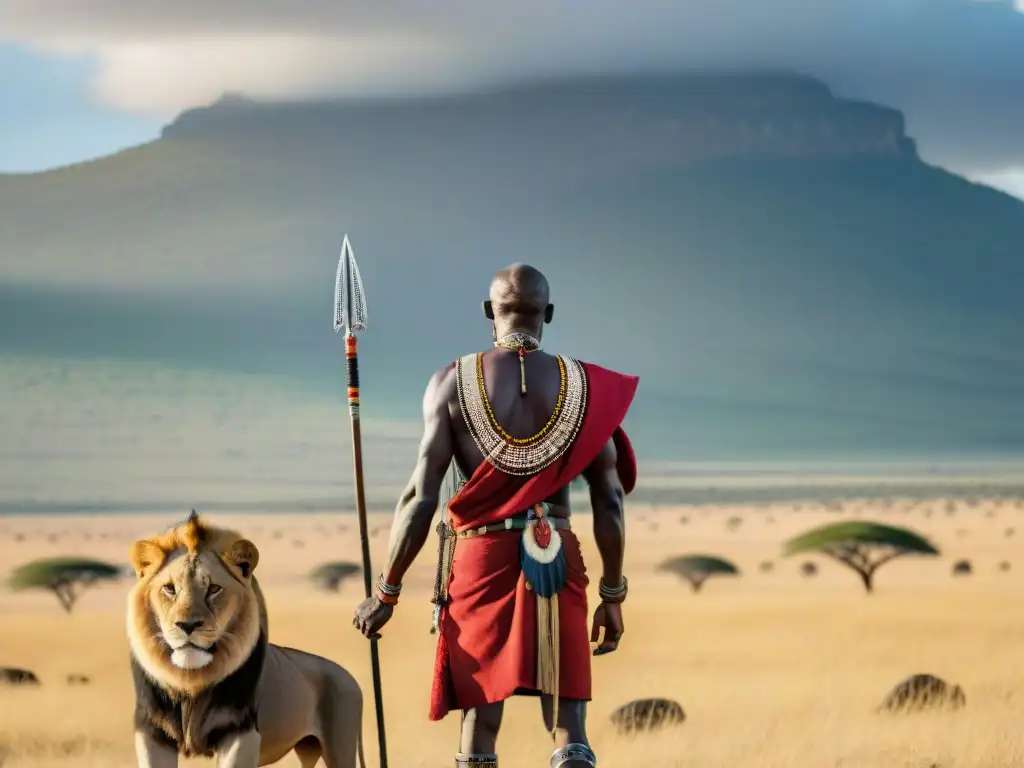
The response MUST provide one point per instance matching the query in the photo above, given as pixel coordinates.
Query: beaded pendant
(521, 455)
(542, 556)
(521, 343)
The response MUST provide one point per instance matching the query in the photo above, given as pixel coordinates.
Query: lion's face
(194, 601)
(193, 615)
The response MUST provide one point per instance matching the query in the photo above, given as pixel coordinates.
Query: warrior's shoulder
(441, 383)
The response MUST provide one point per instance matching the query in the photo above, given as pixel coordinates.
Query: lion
(207, 680)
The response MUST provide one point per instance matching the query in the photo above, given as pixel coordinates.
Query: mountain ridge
(722, 114)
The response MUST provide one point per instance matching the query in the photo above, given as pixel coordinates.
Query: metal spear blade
(349, 299)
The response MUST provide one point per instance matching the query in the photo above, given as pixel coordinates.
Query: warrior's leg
(479, 744)
(572, 749)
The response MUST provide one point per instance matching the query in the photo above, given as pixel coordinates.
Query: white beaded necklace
(529, 455)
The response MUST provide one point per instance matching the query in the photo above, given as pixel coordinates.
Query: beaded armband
(388, 593)
(613, 595)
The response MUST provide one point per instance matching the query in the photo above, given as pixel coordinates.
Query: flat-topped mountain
(777, 264)
(658, 119)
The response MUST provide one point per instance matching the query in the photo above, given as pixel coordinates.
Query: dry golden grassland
(773, 669)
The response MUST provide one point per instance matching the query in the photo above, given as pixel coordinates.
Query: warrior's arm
(419, 500)
(606, 495)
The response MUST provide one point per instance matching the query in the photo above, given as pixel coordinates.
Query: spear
(350, 314)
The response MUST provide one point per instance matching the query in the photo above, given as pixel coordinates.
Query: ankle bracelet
(464, 760)
(579, 752)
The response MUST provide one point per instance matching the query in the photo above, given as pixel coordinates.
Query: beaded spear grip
(352, 375)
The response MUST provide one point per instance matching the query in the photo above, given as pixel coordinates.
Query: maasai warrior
(521, 425)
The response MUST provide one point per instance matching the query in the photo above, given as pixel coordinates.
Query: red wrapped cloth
(487, 645)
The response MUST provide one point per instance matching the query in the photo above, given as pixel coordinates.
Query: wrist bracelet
(613, 594)
(388, 593)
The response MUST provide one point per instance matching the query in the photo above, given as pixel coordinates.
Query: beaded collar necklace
(521, 455)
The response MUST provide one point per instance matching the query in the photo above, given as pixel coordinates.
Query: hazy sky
(80, 79)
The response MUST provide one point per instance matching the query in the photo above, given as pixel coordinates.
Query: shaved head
(519, 299)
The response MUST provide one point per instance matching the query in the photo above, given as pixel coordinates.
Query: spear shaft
(350, 314)
(352, 370)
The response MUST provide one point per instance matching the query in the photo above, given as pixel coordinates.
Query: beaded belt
(517, 523)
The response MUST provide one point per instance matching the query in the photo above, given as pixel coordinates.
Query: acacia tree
(862, 546)
(696, 569)
(66, 577)
(329, 576)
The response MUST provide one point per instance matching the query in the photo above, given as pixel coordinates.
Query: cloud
(955, 66)
(1010, 180)
(165, 76)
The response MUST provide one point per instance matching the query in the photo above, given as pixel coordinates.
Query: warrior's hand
(371, 615)
(609, 617)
